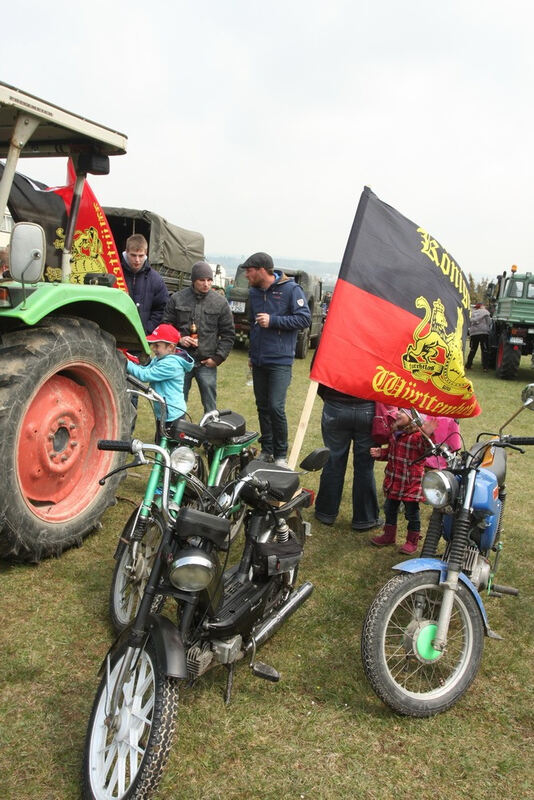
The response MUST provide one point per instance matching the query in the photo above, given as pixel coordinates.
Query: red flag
(93, 246)
(397, 323)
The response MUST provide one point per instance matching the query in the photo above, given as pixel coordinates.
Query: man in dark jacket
(278, 310)
(146, 286)
(206, 325)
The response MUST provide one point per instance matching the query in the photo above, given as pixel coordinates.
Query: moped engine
(477, 567)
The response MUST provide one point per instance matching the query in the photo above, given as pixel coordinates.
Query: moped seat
(283, 481)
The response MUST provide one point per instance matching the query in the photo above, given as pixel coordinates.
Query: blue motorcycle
(423, 635)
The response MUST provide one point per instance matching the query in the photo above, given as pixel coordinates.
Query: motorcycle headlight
(440, 488)
(183, 460)
(192, 570)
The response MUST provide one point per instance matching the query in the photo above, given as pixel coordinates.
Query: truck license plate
(237, 306)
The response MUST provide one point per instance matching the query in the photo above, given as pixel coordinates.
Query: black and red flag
(397, 323)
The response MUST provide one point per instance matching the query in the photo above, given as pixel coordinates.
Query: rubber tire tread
(509, 365)
(161, 735)
(303, 344)
(28, 356)
(371, 651)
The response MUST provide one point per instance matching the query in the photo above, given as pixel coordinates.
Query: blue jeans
(206, 378)
(343, 424)
(271, 383)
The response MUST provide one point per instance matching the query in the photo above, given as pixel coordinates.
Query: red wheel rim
(58, 462)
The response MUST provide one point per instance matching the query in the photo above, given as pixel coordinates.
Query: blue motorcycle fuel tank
(486, 506)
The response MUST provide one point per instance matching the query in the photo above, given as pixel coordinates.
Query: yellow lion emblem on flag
(435, 355)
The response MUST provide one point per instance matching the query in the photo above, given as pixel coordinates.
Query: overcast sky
(259, 123)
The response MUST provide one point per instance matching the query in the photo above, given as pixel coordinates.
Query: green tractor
(511, 302)
(62, 378)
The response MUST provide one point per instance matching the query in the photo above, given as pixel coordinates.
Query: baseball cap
(164, 333)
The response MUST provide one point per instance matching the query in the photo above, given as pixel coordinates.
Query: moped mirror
(416, 417)
(315, 460)
(27, 251)
(527, 396)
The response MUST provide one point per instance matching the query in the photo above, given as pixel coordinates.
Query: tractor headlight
(183, 460)
(192, 570)
(440, 488)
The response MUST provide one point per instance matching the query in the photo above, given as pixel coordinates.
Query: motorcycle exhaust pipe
(275, 621)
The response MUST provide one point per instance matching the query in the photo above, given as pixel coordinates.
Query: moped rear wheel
(131, 571)
(124, 757)
(403, 668)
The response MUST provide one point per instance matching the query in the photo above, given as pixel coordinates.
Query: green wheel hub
(423, 643)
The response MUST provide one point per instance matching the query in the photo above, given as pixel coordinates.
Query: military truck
(172, 250)
(511, 303)
(62, 384)
(313, 289)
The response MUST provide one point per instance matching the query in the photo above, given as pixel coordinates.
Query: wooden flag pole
(303, 424)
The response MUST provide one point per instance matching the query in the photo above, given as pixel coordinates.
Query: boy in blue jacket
(165, 372)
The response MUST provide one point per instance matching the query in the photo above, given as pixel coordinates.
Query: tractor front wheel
(63, 387)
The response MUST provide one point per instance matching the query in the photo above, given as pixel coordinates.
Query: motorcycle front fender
(435, 565)
(167, 642)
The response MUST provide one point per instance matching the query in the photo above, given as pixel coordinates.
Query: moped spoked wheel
(132, 569)
(403, 668)
(124, 757)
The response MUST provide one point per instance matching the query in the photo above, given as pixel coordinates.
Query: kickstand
(229, 683)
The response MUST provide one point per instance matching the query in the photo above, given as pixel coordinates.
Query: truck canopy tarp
(169, 246)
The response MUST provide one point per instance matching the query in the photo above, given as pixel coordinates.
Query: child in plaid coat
(402, 479)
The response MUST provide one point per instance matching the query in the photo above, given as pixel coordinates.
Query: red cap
(164, 333)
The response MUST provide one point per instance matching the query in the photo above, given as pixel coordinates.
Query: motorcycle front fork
(112, 702)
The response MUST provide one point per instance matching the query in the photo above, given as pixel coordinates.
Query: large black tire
(508, 358)
(127, 760)
(129, 578)
(398, 658)
(62, 388)
(303, 343)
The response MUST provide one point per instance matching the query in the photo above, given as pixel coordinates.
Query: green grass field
(320, 732)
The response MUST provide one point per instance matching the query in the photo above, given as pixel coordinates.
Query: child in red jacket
(402, 479)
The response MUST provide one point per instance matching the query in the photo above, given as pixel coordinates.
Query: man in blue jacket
(146, 286)
(278, 310)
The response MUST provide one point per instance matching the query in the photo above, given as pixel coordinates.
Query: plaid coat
(402, 480)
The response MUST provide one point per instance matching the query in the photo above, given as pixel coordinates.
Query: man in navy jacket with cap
(278, 310)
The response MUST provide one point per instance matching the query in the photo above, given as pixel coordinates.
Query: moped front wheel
(125, 754)
(403, 668)
(132, 569)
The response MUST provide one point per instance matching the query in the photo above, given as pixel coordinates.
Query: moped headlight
(192, 570)
(183, 460)
(440, 488)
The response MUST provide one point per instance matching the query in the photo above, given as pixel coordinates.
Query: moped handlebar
(137, 383)
(118, 445)
(520, 440)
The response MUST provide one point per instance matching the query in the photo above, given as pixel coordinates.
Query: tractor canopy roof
(58, 132)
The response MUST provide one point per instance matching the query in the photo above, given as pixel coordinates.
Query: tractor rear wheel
(62, 388)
